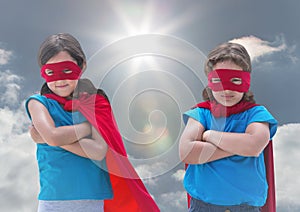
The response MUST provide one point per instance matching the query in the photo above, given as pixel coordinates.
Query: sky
(148, 57)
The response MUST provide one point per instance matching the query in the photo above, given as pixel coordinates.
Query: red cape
(130, 194)
(270, 205)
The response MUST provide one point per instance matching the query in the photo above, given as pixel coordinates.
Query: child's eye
(49, 72)
(236, 81)
(215, 80)
(67, 71)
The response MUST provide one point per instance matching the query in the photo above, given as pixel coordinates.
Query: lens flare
(150, 81)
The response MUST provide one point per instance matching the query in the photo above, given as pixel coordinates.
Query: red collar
(218, 110)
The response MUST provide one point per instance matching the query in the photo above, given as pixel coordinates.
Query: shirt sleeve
(37, 97)
(261, 114)
(199, 114)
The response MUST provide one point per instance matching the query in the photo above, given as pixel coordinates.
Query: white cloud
(19, 172)
(257, 47)
(174, 201)
(149, 172)
(287, 157)
(178, 175)
(9, 87)
(4, 56)
(13, 118)
(19, 177)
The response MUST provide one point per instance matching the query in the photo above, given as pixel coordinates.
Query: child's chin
(227, 104)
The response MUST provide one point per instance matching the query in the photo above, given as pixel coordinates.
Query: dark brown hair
(228, 52)
(66, 42)
(61, 42)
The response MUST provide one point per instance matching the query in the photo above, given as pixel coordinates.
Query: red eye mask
(228, 79)
(65, 70)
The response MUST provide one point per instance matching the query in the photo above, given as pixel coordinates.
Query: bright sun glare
(140, 62)
(140, 18)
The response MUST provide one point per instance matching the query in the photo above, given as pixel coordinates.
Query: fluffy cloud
(149, 172)
(13, 122)
(178, 175)
(10, 88)
(287, 157)
(19, 177)
(4, 56)
(257, 47)
(9, 82)
(174, 201)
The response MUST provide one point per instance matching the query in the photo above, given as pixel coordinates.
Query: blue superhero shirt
(233, 180)
(64, 175)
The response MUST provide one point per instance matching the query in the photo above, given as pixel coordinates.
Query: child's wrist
(84, 130)
(213, 136)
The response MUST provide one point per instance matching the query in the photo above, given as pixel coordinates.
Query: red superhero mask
(228, 79)
(65, 70)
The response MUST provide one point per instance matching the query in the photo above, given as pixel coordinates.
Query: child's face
(63, 88)
(227, 97)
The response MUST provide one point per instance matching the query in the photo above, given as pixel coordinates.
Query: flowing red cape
(270, 205)
(130, 194)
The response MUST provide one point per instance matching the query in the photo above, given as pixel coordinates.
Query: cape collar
(219, 110)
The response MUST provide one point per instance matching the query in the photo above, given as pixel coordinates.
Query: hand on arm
(55, 136)
(36, 137)
(71, 138)
(250, 143)
(94, 148)
(192, 148)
